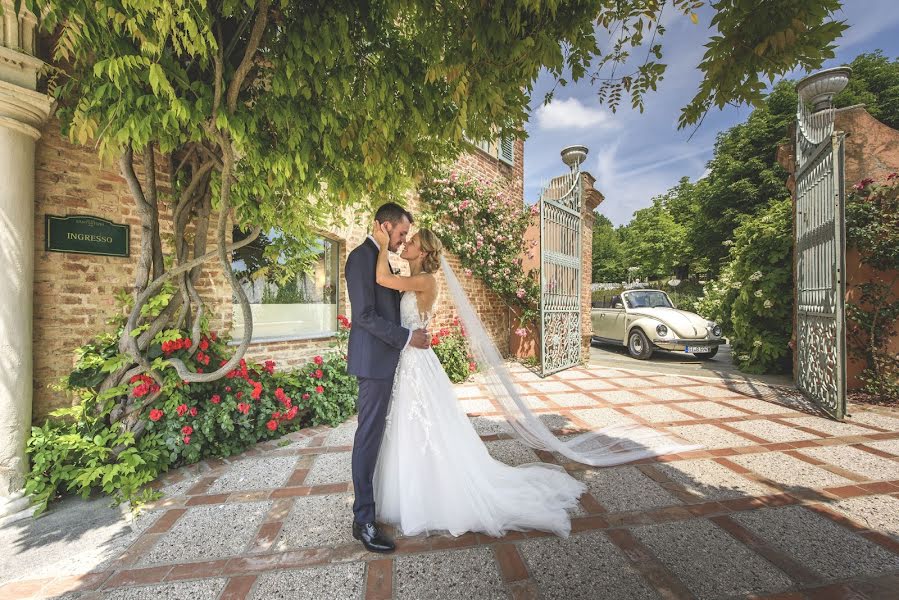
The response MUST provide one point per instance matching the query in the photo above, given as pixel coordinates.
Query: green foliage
(484, 226)
(655, 242)
(752, 298)
(608, 252)
(79, 455)
(744, 177)
(451, 348)
(872, 227)
(874, 83)
(82, 452)
(756, 41)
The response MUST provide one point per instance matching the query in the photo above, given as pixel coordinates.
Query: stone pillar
(592, 199)
(22, 113)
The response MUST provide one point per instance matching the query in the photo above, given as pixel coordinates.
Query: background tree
(607, 252)
(654, 241)
(280, 114)
(874, 83)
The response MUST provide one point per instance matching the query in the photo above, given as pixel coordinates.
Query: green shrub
(752, 299)
(79, 449)
(451, 347)
(872, 227)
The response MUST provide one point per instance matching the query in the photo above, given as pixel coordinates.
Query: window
(503, 149)
(292, 288)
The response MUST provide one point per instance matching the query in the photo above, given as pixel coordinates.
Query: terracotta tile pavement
(272, 552)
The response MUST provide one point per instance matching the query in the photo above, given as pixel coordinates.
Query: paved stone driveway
(779, 504)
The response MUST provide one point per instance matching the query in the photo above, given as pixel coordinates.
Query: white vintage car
(646, 320)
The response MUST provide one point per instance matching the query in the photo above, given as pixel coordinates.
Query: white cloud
(570, 113)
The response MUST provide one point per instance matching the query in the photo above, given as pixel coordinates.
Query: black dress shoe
(372, 538)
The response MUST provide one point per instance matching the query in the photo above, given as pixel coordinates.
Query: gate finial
(573, 156)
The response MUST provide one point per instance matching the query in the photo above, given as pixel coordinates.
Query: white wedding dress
(435, 474)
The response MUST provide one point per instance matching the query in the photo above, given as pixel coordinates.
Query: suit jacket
(376, 338)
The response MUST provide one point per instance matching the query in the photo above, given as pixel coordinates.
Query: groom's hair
(392, 213)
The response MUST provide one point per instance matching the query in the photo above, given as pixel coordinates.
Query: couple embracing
(417, 461)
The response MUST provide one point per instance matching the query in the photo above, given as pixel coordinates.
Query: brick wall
(74, 293)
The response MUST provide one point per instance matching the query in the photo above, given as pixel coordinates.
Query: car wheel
(638, 345)
(706, 355)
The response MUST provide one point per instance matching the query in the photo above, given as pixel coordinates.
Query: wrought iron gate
(560, 273)
(820, 262)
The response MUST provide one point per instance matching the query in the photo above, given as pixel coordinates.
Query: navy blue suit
(376, 340)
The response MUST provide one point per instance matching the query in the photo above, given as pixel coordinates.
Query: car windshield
(647, 299)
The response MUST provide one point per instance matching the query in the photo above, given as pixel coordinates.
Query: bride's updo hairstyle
(430, 243)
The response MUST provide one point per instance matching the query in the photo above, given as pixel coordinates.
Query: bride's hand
(379, 234)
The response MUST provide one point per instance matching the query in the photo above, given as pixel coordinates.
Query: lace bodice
(409, 315)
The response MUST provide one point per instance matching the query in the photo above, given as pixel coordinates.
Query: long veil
(609, 446)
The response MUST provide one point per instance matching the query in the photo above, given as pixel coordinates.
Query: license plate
(698, 349)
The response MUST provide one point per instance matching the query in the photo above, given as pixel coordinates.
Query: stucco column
(22, 113)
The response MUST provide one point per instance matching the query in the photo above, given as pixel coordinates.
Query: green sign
(83, 234)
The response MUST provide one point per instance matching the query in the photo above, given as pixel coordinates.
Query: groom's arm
(361, 288)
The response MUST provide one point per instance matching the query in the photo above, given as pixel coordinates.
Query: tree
(607, 252)
(654, 241)
(874, 83)
(743, 177)
(282, 114)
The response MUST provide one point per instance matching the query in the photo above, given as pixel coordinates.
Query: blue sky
(635, 156)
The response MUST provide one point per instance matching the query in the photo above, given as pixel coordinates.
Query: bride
(433, 470)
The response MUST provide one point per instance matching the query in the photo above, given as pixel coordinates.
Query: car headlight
(661, 330)
(716, 331)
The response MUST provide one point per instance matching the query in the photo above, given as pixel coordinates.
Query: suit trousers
(372, 405)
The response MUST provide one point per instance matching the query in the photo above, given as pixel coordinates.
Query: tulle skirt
(434, 474)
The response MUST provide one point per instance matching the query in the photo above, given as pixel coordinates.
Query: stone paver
(857, 461)
(772, 501)
(207, 532)
(584, 567)
(330, 468)
(462, 575)
(772, 431)
(709, 436)
(877, 513)
(818, 543)
(255, 474)
(204, 589)
(512, 452)
(789, 472)
(711, 563)
(625, 489)
(318, 521)
(711, 480)
(332, 581)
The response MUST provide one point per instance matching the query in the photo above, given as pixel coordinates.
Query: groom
(376, 340)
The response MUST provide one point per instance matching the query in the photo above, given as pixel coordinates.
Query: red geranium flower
(155, 414)
(319, 374)
(204, 344)
(215, 399)
(270, 366)
(239, 395)
(305, 396)
(244, 408)
(187, 430)
(186, 439)
(318, 360)
(272, 425)
(227, 388)
(319, 389)
(193, 411)
(291, 413)
(435, 341)
(182, 409)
